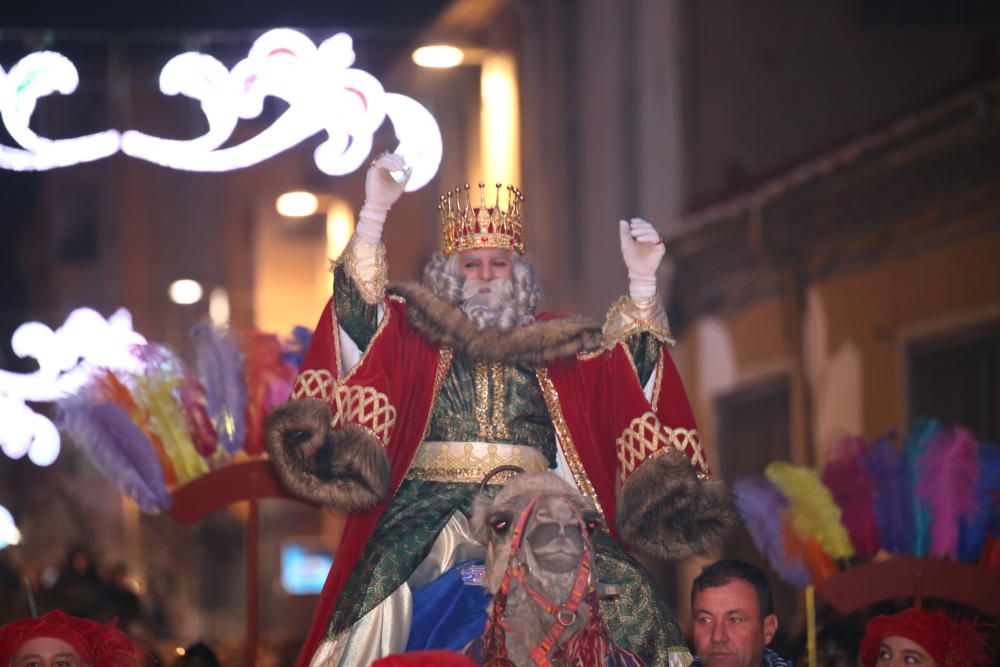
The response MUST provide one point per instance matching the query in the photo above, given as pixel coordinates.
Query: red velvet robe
(605, 424)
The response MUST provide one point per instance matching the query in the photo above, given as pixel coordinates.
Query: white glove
(642, 250)
(382, 189)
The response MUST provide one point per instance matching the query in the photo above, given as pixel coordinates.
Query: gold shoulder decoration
(314, 384)
(628, 316)
(365, 406)
(365, 264)
(646, 437)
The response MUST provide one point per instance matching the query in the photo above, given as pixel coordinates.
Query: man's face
(728, 628)
(485, 264)
(47, 652)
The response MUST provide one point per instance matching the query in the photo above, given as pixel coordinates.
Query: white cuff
(640, 288)
(370, 223)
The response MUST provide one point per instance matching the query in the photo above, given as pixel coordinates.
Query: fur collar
(536, 344)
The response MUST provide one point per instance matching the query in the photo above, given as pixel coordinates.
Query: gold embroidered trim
(481, 372)
(658, 383)
(628, 316)
(338, 360)
(365, 263)
(498, 385)
(365, 406)
(470, 462)
(645, 437)
(566, 440)
(440, 373)
(317, 383)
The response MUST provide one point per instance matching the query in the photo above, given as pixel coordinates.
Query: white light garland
(322, 90)
(34, 76)
(67, 359)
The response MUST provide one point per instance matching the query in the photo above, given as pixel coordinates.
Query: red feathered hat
(425, 659)
(950, 643)
(98, 645)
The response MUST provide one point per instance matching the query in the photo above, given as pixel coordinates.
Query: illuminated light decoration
(9, 534)
(67, 359)
(297, 204)
(185, 291)
(323, 93)
(34, 76)
(438, 56)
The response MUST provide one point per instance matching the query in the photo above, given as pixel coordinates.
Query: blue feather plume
(119, 449)
(760, 504)
(922, 431)
(219, 363)
(893, 508)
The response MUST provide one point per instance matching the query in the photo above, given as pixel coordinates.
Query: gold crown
(464, 227)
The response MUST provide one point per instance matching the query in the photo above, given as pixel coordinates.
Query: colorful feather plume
(985, 521)
(816, 515)
(921, 432)
(893, 508)
(268, 380)
(761, 504)
(119, 449)
(949, 473)
(854, 492)
(296, 346)
(220, 369)
(112, 390)
(154, 389)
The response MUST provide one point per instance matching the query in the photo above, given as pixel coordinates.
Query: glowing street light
(185, 291)
(438, 56)
(297, 204)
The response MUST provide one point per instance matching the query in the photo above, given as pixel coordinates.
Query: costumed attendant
(920, 638)
(60, 640)
(409, 394)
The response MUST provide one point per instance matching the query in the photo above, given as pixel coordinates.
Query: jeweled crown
(464, 226)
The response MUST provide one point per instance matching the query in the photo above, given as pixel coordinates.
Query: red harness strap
(563, 615)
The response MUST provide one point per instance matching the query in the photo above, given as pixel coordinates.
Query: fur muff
(344, 468)
(535, 344)
(666, 512)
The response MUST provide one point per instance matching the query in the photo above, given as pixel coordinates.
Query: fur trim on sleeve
(345, 468)
(666, 512)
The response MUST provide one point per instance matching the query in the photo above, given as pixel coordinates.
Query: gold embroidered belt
(458, 461)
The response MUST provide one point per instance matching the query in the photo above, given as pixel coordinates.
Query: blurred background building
(826, 174)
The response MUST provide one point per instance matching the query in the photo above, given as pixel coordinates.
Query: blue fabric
(447, 614)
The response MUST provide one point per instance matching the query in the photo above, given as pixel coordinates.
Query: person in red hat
(60, 640)
(917, 637)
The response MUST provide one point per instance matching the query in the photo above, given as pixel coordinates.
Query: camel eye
(591, 526)
(501, 526)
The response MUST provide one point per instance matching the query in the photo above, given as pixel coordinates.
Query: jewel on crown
(464, 226)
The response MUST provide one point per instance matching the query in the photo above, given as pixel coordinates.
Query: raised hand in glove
(642, 250)
(382, 189)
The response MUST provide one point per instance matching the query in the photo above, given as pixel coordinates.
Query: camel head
(556, 532)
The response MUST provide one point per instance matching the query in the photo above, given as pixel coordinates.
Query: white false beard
(495, 308)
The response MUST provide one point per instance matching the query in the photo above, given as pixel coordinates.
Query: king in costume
(409, 394)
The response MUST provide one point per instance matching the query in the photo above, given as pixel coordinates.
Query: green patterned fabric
(402, 539)
(355, 316)
(637, 618)
(646, 354)
(525, 414)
